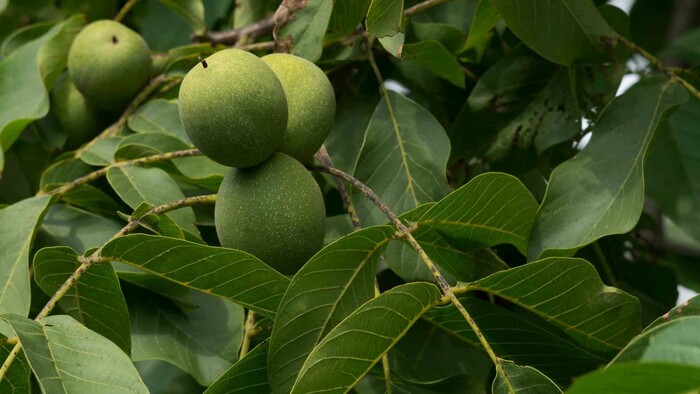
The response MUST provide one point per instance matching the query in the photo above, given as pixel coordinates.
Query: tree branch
(405, 232)
(258, 46)
(61, 190)
(231, 37)
(133, 106)
(161, 209)
(666, 70)
(424, 6)
(87, 262)
(248, 332)
(125, 10)
(265, 26)
(8, 361)
(323, 156)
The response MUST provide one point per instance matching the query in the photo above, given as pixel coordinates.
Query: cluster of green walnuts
(264, 117)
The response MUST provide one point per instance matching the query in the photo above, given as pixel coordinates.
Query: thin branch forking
(116, 127)
(666, 70)
(265, 26)
(61, 190)
(87, 262)
(405, 232)
(231, 37)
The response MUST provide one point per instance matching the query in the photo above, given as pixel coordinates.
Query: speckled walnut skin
(274, 211)
(233, 108)
(109, 64)
(311, 103)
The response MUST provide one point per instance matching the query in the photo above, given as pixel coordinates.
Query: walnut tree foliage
(500, 215)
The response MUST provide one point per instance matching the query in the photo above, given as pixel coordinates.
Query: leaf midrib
(640, 153)
(322, 328)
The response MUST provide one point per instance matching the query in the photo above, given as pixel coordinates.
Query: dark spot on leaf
(516, 136)
(114, 40)
(496, 104)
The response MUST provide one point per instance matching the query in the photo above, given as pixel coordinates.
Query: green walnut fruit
(311, 102)
(233, 108)
(80, 119)
(273, 211)
(109, 64)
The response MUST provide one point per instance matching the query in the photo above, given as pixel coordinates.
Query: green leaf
(673, 157)
(674, 342)
(55, 344)
(300, 27)
(176, 62)
(62, 172)
(23, 35)
(18, 223)
(491, 209)
(346, 16)
(203, 342)
(101, 153)
(537, 343)
(352, 115)
(25, 76)
(142, 145)
(563, 31)
(447, 35)
(160, 224)
(164, 378)
(191, 11)
(337, 363)
(178, 294)
(96, 300)
(394, 44)
(94, 200)
(384, 17)
(433, 56)
(523, 379)
(425, 358)
(158, 116)
(16, 379)
(601, 190)
(250, 11)
(227, 273)
(335, 282)
(136, 185)
(78, 229)
(645, 277)
(634, 378)
(403, 158)
(458, 261)
(521, 102)
(485, 18)
(247, 376)
(568, 293)
(199, 170)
